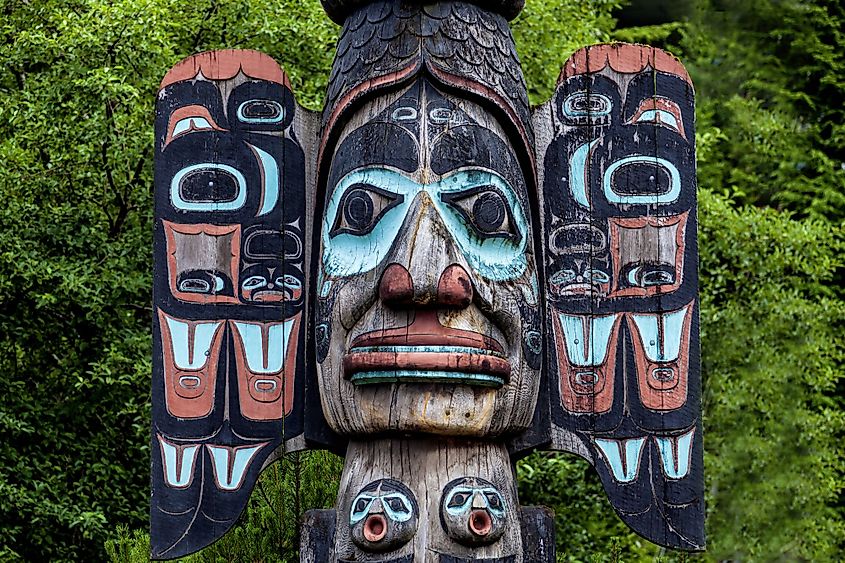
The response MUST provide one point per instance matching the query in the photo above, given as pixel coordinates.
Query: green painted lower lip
(409, 376)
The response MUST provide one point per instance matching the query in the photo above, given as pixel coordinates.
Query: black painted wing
(229, 293)
(617, 160)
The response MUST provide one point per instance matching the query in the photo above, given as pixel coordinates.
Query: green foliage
(546, 33)
(771, 326)
(77, 87)
(770, 76)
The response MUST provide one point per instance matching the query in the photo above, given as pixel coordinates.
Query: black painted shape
(242, 149)
(339, 10)
(538, 534)
(597, 223)
(455, 559)
(318, 531)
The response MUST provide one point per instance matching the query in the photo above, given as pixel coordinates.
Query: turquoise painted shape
(226, 480)
(186, 464)
(203, 336)
(578, 173)
(414, 376)
(673, 469)
(587, 338)
(272, 182)
(495, 258)
(667, 348)
(645, 199)
(622, 456)
(208, 206)
(255, 345)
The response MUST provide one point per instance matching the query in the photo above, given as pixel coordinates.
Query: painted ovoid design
(430, 277)
(229, 301)
(621, 270)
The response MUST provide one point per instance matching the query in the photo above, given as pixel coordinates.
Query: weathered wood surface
(616, 153)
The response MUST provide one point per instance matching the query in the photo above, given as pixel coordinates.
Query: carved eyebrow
(189, 119)
(660, 111)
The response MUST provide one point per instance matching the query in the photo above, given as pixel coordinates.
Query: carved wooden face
(427, 309)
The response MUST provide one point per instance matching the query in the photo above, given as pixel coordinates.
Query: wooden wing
(229, 290)
(617, 164)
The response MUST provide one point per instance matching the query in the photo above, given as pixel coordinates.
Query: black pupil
(358, 209)
(209, 184)
(396, 505)
(360, 505)
(493, 500)
(642, 178)
(261, 109)
(458, 499)
(489, 212)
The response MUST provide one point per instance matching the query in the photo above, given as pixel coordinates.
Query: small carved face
(427, 316)
(383, 516)
(473, 511)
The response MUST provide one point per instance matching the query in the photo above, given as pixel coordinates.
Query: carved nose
(454, 288)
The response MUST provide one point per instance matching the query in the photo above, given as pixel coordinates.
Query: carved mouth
(426, 352)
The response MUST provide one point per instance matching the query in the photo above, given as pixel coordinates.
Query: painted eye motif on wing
(361, 208)
(190, 119)
(486, 210)
(660, 111)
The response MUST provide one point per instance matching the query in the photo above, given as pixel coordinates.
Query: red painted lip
(426, 331)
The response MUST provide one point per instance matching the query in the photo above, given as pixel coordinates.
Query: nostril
(454, 288)
(396, 286)
(375, 528)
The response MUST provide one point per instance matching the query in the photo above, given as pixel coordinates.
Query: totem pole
(430, 279)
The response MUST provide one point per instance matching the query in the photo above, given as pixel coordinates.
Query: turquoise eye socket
(479, 209)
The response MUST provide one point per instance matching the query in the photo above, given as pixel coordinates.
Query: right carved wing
(616, 146)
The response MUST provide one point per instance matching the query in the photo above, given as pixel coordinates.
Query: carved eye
(362, 504)
(254, 282)
(458, 499)
(396, 504)
(361, 207)
(486, 210)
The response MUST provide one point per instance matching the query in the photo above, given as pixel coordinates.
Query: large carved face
(427, 308)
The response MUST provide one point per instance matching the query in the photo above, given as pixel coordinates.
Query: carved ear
(616, 156)
(231, 252)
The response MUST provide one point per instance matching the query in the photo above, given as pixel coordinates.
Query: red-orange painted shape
(426, 330)
(226, 64)
(170, 230)
(275, 400)
(355, 362)
(658, 104)
(624, 58)
(187, 112)
(617, 223)
(578, 396)
(189, 393)
(667, 393)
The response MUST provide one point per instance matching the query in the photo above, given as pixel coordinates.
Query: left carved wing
(229, 294)
(616, 153)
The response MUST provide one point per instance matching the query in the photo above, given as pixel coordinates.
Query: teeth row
(623, 456)
(229, 463)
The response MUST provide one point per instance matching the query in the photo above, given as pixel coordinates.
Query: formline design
(430, 278)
